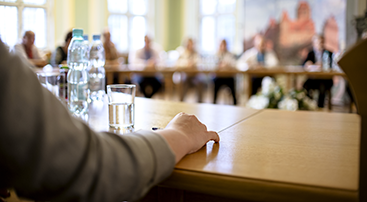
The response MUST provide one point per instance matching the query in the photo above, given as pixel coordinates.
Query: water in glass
(121, 115)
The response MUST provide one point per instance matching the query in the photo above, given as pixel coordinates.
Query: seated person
(144, 59)
(313, 62)
(189, 59)
(61, 53)
(226, 60)
(256, 58)
(28, 50)
(109, 48)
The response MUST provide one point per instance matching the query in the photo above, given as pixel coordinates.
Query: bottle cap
(96, 37)
(85, 37)
(77, 32)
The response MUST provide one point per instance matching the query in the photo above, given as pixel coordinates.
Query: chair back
(354, 64)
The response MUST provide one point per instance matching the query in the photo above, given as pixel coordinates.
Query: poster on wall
(289, 25)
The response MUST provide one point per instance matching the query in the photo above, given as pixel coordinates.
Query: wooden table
(266, 155)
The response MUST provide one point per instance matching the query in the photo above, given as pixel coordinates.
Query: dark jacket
(311, 57)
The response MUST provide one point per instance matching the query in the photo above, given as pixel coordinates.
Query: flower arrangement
(272, 96)
(304, 102)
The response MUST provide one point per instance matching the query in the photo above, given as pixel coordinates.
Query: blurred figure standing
(314, 62)
(60, 55)
(189, 59)
(28, 50)
(146, 58)
(226, 60)
(256, 58)
(109, 48)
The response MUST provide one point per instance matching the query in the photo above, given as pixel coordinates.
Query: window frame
(238, 15)
(149, 19)
(20, 5)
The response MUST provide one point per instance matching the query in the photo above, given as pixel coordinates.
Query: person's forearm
(177, 141)
(38, 62)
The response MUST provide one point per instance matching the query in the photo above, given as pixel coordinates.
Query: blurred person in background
(109, 48)
(60, 55)
(28, 50)
(257, 57)
(146, 58)
(226, 61)
(314, 62)
(189, 59)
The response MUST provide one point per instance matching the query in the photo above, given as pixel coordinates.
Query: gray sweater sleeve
(47, 154)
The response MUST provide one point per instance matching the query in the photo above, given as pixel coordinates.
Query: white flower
(311, 104)
(277, 95)
(267, 85)
(301, 95)
(258, 102)
(288, 104)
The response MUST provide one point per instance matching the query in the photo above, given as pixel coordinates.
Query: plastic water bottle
(325, 62)
(86, 43)
(78, 77)
(85, 37)
(97, 72)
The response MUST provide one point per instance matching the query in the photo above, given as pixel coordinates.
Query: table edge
(253, 189)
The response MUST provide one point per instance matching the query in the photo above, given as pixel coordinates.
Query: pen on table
(157, 128)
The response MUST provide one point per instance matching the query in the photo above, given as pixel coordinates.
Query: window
(217, 22)
(128, 23)
(23, 15)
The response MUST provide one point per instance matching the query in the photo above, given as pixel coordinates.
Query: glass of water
(121, 109)
(54, 82)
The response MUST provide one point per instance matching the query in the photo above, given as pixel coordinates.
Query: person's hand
(150, 64)
(38, 62)
(313, 67)
(195, 132)
(257, 67)
(223, 66)
(191, 65)
(186, 134)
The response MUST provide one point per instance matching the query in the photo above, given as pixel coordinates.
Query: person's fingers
(181, 114)
(204, 126)
(213, 136)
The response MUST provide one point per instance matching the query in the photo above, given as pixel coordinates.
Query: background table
(125, 71)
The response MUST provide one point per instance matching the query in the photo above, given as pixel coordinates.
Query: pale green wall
(361, 7)
(90, 15)
(82, 15)
(64, 19)
(175, 11)
(160, 31)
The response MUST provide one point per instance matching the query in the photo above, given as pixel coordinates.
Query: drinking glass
(54, 82)
(121, 108)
